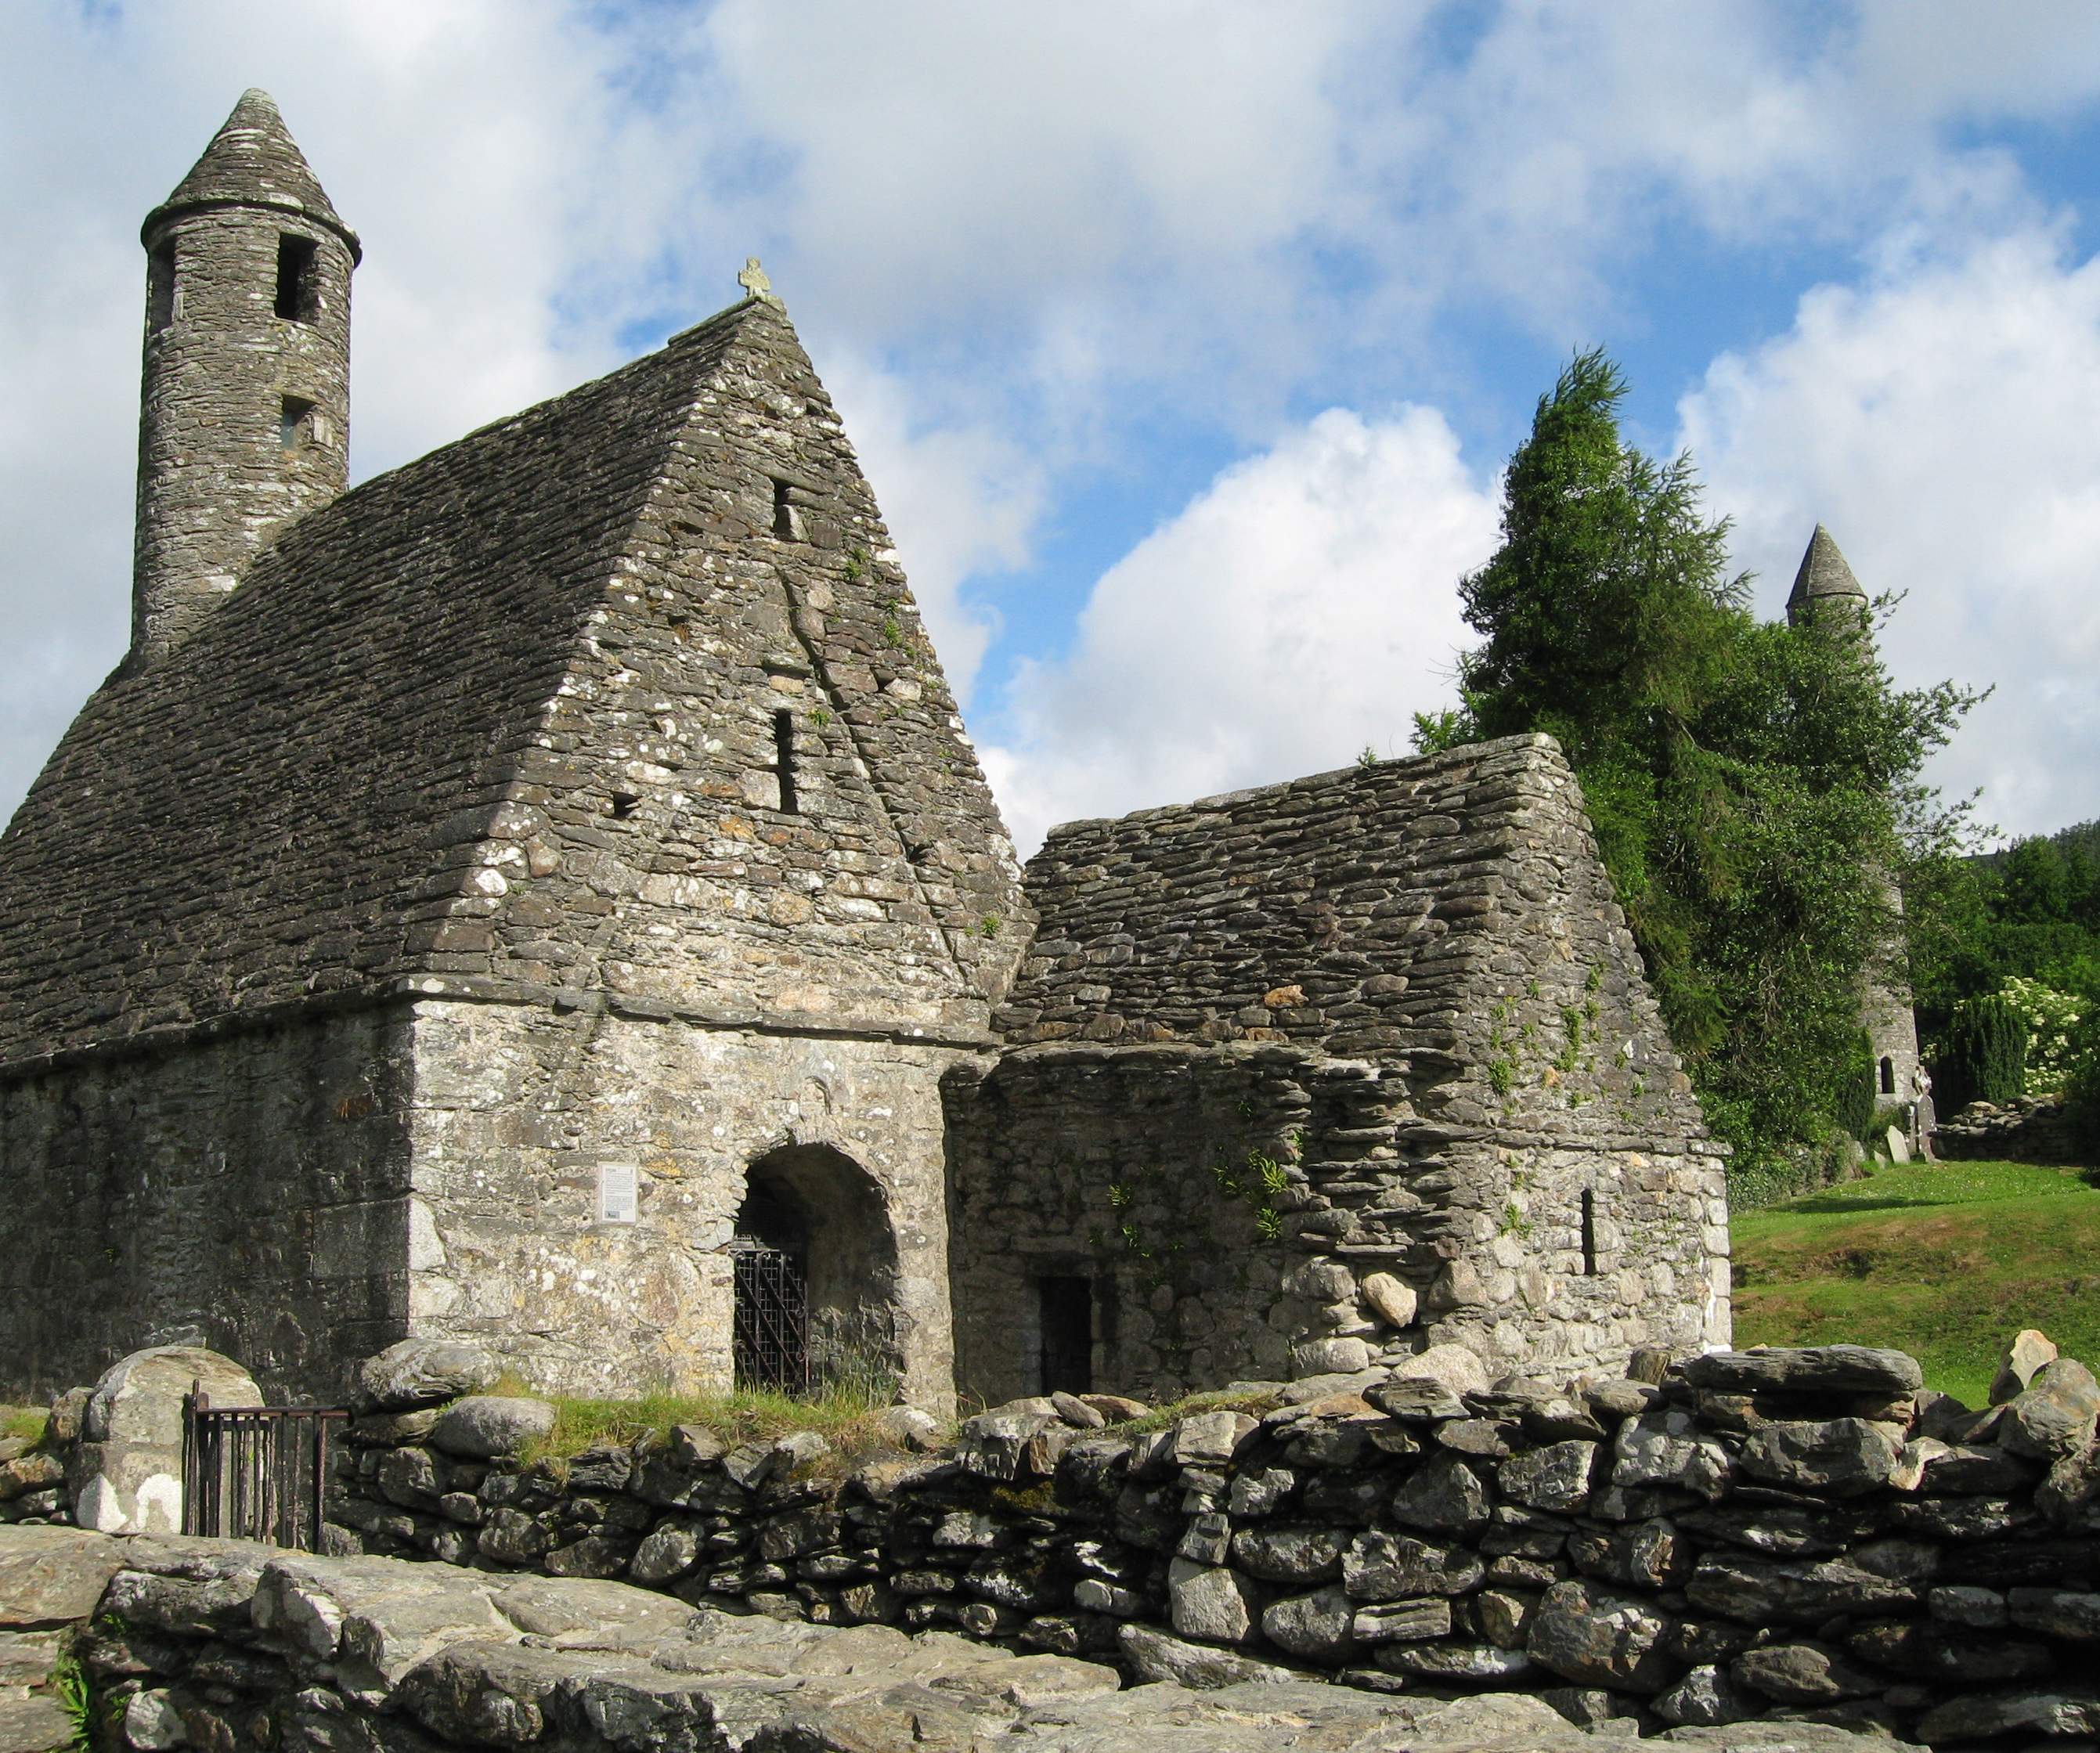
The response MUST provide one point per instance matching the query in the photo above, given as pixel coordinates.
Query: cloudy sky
(1182, 339)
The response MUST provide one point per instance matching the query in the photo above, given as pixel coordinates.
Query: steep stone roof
(253, 160)
(1822, 577)
(1347, 910)
(485, 717)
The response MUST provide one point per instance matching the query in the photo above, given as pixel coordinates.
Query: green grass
(27, 1422)
(843, 1417)
(1945, 1261)
(1210, 1400)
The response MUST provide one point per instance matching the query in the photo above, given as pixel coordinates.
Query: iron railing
(771, 1335)
(256, 1473)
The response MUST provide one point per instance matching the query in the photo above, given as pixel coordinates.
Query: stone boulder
(2056, 1415)
(1596, 1637)
(126, 1475)
(1846, 1370)
(484, 1426)
(418, 1372)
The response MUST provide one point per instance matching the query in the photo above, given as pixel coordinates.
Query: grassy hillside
(1946, 1260)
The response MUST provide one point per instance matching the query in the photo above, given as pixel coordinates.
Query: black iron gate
(255, 1473)
(772, 1330)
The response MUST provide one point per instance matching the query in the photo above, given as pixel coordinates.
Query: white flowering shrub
(2051, 1017)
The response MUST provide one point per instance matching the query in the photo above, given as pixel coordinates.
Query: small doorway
(1065, 1318)
(816, 1276)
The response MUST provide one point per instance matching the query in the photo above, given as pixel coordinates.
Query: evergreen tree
(1747, 781)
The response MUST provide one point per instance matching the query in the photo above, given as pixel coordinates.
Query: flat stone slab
(1806, 1369)
(35, 1725)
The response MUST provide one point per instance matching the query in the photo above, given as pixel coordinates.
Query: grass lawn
(1945, 1261)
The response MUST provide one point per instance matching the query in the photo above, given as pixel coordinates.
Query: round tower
(245, 410)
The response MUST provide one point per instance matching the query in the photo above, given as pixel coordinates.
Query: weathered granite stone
(420, 1373)
(1808, 1369)
(126, 1475)
(1212, 1603)
(1841, 1456)
(1317, 1627)
(1392, 1301)
(2027, 1352)
(1555, 1477)
(1289, 1555)
(1705, 1697)
(1417, 1621)
(1384, 1567)
(1160, 1658)
(2056, 1415)
(1803, 1673)
(1595, 1637)
(1443, 1495)
(483, 1426)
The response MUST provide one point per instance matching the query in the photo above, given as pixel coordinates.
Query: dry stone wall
(1801, 1535)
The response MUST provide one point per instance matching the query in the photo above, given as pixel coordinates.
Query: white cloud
(960, 498)
(1020, 240)
(1940, 422)
(1299, 609)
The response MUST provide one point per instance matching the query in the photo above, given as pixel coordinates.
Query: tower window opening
(1888, 1076)
(787, 520)
(297, 300)
(623, 804)
(1588, 1233)
(783, 760)
(160, 287)
(295, 424)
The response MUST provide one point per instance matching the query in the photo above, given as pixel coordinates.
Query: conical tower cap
(1823, 575)
(253, 161)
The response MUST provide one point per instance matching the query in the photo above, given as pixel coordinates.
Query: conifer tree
(1745, 780)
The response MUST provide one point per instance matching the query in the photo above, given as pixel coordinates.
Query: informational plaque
(617, 1199)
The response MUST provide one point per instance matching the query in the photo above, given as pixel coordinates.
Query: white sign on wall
(618, 1201)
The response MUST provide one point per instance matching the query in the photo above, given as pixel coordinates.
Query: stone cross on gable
(754, 282)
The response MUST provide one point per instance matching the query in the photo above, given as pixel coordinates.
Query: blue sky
(1183, 339)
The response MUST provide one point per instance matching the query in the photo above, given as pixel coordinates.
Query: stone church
(545, 894)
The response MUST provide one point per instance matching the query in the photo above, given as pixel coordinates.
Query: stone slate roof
(1346, 911)
(1822, 576)
(254, 160)
(303, 800)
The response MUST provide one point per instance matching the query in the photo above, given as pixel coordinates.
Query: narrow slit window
(296, 299)
(786, 521)
(783, 760)
(1589, 1234)
(294, 423)
(1064, 1311)
(160, 287)
(1888, 1077)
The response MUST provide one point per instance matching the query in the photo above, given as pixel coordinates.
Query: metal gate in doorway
(772, 1330)
(256, 1473)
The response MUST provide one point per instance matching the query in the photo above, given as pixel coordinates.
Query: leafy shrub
(1855, 1095)
(2081, 1085)
(2050, 1018)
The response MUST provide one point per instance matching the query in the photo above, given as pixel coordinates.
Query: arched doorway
(816, 1274)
